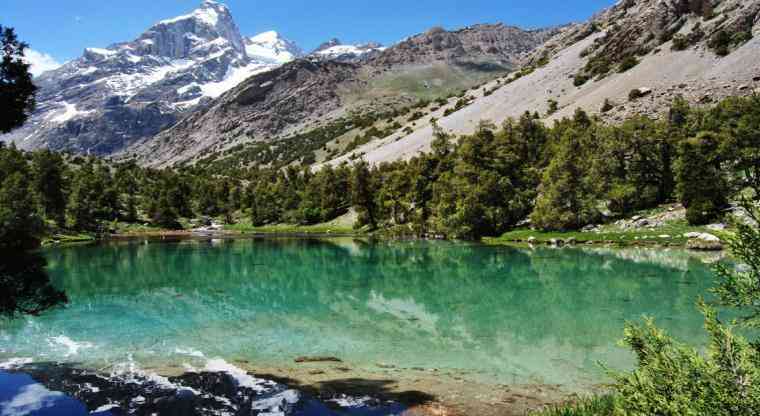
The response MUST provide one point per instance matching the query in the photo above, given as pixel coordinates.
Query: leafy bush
(680, 43)
(627, 63)
(607, 106)
(553, 107)
(720, 43)
(592, 406)
(580, 79)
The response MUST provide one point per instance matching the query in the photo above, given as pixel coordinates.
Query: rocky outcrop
(495, 43)
(259, 109)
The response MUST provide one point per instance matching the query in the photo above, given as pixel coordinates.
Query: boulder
(716, 227)
(703, 242)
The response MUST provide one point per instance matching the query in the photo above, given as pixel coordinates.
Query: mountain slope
(429, 65)
(111, 97)
(593, 55)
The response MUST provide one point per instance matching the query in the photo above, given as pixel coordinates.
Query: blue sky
(61, 29)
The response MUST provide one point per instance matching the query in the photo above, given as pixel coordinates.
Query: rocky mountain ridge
(319, 90)
(633, 58)
(111, 97)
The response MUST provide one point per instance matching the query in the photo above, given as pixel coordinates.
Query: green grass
(592, 406)
(338, 226)
(610, 234)
(68, 239)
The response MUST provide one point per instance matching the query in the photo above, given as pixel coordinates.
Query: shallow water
(495, 314)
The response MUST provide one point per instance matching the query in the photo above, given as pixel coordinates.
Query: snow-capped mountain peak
(178, 37)
(334, 49)
(271, 47)
(111, 97)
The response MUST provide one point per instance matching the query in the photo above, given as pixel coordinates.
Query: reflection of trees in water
(467, 294)
(25, 287)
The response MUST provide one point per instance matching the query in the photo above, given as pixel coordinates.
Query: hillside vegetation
(579, 171)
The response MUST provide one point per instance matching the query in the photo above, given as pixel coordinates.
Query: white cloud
(40, 62)
(30, 399)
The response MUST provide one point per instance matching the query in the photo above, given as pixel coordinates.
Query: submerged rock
(318, 359)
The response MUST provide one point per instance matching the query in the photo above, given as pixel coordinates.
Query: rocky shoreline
(312, 388)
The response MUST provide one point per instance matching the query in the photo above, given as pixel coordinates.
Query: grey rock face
(496, 43)
(296, 96)
(258, 109)
(111, 97)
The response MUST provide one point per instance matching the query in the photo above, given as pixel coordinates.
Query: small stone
(743, 87)
(717, 227)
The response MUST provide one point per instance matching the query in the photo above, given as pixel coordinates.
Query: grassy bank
(340, 226)
(670, 230)
(664, 236)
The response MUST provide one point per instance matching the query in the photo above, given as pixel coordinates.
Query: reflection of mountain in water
(516, 315)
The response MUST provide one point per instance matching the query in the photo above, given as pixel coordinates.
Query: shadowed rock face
(111, 97)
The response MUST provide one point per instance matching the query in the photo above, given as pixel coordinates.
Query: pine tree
(16, 87)
(363, 195)
(48, 171)
(701, 185)
(20, 226)
(82, 208)
(566, 199)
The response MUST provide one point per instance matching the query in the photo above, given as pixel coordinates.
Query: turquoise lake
(496, 314)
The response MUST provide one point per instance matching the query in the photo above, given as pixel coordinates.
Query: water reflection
(25, 287)
(505, 314)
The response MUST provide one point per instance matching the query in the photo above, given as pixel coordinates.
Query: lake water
(494, 314)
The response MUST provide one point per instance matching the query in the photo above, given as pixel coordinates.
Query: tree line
(577, 172)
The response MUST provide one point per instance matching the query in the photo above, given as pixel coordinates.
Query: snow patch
(270, 47)
(69, 112)
(207, 14)
(101, 51)
(232, 79)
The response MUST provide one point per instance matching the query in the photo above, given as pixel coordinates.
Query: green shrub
(720, 43)
(580, 79)
(553, 107)
(592, 406)
(627, 63)
(607, 106)
(680, 43)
